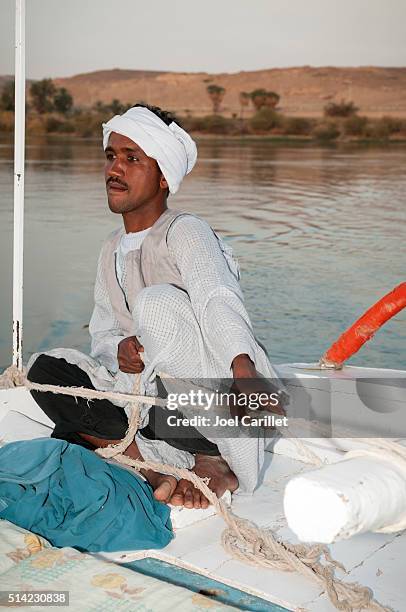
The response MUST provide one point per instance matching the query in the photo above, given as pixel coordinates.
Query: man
(166, 290)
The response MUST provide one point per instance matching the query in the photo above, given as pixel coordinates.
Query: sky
(67, 37)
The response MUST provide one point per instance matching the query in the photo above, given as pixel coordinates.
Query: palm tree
(244, 98)
(216, 95)
(262, 97)
(272, 99)
(258, 97)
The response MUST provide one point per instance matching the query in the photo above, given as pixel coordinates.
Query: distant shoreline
(267, 124)
(216, 138)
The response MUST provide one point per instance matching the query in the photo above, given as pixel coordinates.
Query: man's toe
(178, 496)
(197, 498)
(189, 498)
(177, 499)
(164, 490)
(205, 502)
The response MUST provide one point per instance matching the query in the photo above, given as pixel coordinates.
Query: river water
(319, 234)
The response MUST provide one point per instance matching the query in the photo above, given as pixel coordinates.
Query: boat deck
(373, 560)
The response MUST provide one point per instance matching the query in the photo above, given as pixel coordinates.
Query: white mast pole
(19, 155)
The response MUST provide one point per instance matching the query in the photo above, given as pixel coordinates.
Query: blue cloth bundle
(72, 497)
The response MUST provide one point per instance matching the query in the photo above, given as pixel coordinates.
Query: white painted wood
(364, 402)
(385, 570)
(16, 426)
(21, 400)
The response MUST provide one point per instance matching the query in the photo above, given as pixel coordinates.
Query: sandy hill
(303, 90)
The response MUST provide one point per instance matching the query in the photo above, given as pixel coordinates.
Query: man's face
(132, 178)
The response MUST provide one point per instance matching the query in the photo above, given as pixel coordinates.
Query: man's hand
(128, 355)
(247, 381)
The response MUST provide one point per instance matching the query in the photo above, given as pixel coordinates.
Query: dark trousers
(101, 418)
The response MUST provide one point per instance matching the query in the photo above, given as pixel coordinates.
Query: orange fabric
(364, 328)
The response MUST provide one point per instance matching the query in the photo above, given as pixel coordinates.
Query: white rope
(392, 455)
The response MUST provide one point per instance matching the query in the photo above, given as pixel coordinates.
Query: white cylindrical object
(19, 157)
(340, 500)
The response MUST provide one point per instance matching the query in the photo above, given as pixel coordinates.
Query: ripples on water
(319, 233)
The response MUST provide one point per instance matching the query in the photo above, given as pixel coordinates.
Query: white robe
(186, 335)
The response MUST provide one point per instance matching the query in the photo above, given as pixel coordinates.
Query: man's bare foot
(164, 486)
(206, 466)
(168, 490)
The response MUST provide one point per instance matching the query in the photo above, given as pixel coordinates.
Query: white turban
(174, 150)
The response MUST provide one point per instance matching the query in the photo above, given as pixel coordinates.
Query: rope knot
(12, 377)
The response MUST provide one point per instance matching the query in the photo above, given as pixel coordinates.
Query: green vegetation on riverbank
(263, 123)
(271, 125)
(51, 110)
